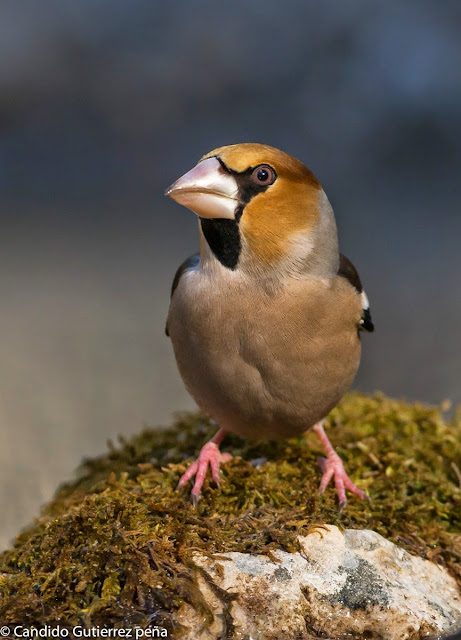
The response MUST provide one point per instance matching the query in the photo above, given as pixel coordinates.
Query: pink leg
(331, 466)
(209, 455)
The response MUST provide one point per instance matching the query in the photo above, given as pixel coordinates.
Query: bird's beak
(207, 190)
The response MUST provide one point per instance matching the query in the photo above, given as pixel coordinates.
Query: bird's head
(260, 209)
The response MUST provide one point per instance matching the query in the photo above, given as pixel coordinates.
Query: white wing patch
(366, 323)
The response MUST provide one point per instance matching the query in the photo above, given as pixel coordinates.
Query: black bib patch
(223, 238)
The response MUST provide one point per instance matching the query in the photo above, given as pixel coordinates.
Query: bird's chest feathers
(201, 310)
(222, 318)
(248, 356)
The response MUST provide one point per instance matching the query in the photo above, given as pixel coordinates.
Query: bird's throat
(223, 238)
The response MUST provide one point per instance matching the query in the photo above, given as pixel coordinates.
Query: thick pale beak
(207, 190)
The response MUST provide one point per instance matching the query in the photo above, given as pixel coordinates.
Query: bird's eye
(263, 175)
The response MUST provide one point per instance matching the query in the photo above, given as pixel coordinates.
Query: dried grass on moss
(116, 546)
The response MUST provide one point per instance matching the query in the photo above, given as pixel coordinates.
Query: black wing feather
(190, 263)
(347, 270)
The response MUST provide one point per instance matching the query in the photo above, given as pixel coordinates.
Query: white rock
(352, 585)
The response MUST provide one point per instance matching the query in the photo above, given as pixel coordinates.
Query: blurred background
(104, 103)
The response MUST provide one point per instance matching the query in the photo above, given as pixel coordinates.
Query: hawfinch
(265, 321)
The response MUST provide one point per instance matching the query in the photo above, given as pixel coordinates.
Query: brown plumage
(265, 323)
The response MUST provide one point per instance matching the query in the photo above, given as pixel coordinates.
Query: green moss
(116, 546)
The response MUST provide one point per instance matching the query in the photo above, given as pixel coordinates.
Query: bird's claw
(332, 467)
(210, 455)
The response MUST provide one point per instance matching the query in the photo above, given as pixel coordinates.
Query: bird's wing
(347, 270)
(190, 263)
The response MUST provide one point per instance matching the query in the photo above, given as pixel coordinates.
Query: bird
(266, 320)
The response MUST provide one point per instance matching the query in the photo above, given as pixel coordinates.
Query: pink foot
(209, 455)
(332, 466)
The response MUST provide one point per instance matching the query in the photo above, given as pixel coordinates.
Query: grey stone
(354, 585)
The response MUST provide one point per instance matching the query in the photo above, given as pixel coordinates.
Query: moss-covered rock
(116, 546)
